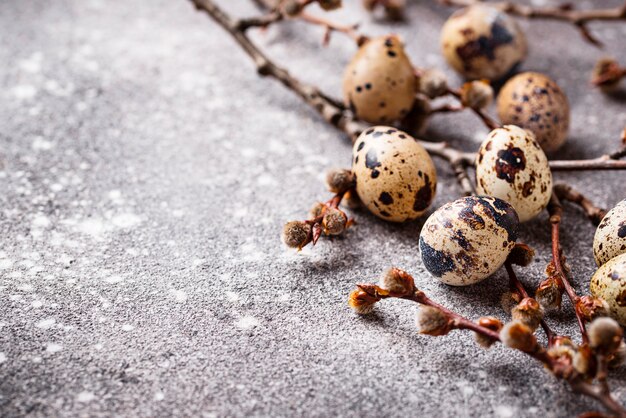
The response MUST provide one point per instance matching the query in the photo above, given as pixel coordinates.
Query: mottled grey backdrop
(145, 172)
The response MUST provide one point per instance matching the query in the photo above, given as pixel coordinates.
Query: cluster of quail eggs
(609, 250)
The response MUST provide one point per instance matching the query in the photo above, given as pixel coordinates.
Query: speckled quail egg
(379, 84)
(395, 177)
(535, 102)
(482, 42)
(609, 283)
(466, 241)
(610, 238)
(512, 166)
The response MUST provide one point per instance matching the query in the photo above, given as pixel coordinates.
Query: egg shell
(379, 84)
(610, 238)
(609, 283)
(482, 42)
(466, 241)
(512, 166)
(395, 177)
(535, 102)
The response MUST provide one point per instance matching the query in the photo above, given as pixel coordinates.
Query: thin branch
(565, 13)
(556, 210)
(567, 192)
(348, 30)
(486, 119)
(517, 286)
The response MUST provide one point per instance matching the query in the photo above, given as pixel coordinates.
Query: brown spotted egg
(610, 238)
(482, 42)
(379, 84)
(395, 177)
(609, 283)
(466, 241)
(512, 166)
(535, 102)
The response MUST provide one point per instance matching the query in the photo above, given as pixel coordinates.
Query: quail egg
(535, 102)
(609, 283)
(512, 166)
(379, 84)
(482, 42)
(610, 238)
(466, 241)
(395, 177)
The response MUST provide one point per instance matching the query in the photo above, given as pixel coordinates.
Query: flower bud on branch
(591, 308)
(528, 312)
(491, 323)
(398, 282)
(476, 94)
(432, 321)
(516, 334)
(605, 335)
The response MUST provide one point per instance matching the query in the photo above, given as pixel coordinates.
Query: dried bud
(352, 200)
(563, 352)
(489, 323)
(476, 94)
(370, 4)
(334, 221)
(562, 340)
(432, 321)
(606, 74)
(317, 210)
(340, 180)
(296, 234)
(329, 4)
(528, 312)
(433, 83)
(617, 358)
(291, 7)
(361, 301)
(591, 307)
(394, 9)
(605, 335)
(549, 293)
(397, 282)
(509, 300)
(521, 255)
(517, 335)
(584, 361)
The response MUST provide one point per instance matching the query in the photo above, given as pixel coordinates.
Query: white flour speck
(126, 220)
(5, 263)
(179, 296)
(24, 92)
(113, 279)
(247, 322)
(159, 396)
(3, 357)
(504, 411)
(232, 296)
(53, 348)
(85, 397)
(127, 327)
(37, 304)
(45, 323)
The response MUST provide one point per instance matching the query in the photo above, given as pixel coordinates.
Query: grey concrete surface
(145, 172)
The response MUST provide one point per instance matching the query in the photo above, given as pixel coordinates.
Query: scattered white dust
(247, 322)
(45, 323)
(53, 348)
(127, 327)
(231, 296)
(179, 296)
(113, 279)
(24, 92)
(504, 411)
(3, 357)
(159, 396)
(126, 220)
(5, 263)
(85, 397)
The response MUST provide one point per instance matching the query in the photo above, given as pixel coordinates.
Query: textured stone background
(145, 172)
